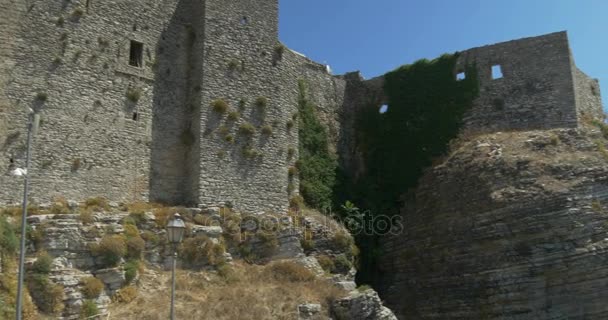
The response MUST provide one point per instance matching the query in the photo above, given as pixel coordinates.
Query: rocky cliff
(106, 260)
(511, 225)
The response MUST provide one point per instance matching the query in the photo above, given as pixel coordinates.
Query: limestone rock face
(361, 306)
(509, 226)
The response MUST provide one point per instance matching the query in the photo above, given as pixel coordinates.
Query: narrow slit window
(496, 71)
(135, 116)
(383, 108)
(461, 76)
(136, 54)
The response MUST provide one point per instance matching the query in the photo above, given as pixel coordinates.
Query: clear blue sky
(376, 36)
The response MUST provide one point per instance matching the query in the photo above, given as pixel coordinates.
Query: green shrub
(307, 244)
(150, 236)
(242, 103)
(47, 295)
(250, 153)
(292, 171)
(269, 243)
(131, 231)
(201, 250)
(229, 138)
(86, 217)
(341, 241)
(246, 128)
(88, 309)
(363, 288)
(289, 124)
(133, 94)
(267, 130)
(92, 287)
(342, 263)
(43, 263)
(131, 270)
(261, 102)
(327, 263)
(77, 13)
(279, 49)
(233, 115)
(8, 239)
(135, 247)
(41, 96)
(233, 65)
(112, 248)
(291, 152)
(296, 202)
(97, 204)
(287, 271)
(125, 295)
(219, 106)
(318, 166)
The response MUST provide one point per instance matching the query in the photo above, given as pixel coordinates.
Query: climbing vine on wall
(425, 110)
(316, 165)
(426, 105)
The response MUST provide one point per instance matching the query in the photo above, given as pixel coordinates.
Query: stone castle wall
(588, 96)
(535, 92)
(169, 145)
(77, 56)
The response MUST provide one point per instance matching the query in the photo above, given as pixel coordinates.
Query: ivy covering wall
(316, 165)
(425, 110)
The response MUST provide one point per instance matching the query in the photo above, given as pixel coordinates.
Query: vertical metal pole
(19, 310)
(173, 284)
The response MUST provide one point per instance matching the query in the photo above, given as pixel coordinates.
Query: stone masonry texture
(149, 132)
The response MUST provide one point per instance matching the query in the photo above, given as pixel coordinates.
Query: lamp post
(32, 127)
(175, 234)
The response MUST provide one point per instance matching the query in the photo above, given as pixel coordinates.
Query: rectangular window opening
(135, 116)
(496, 71)
(136, 54)
(461, 76)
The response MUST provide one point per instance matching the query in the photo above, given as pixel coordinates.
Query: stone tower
(125, 90)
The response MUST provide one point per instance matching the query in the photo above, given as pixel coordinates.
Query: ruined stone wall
(588, 96)
(11, 13)
(535, 92)
(243, 61)
(73, 61)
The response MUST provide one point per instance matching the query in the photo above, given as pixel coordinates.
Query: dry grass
(253, 292)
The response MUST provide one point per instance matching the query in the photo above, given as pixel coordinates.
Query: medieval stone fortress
(196, 103)
(191, 102)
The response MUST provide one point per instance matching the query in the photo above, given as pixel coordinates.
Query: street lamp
(32, 127)
(175, 234)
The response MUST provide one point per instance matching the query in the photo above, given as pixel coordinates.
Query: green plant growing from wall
(233, 115)
(246, 128)
(266, 130)
(242, 104)
(219, 106)
(233, 65)
(41, 96)
(133, 94)
(77, 13)
(261, 103)
(426, 106)
(317, 166)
